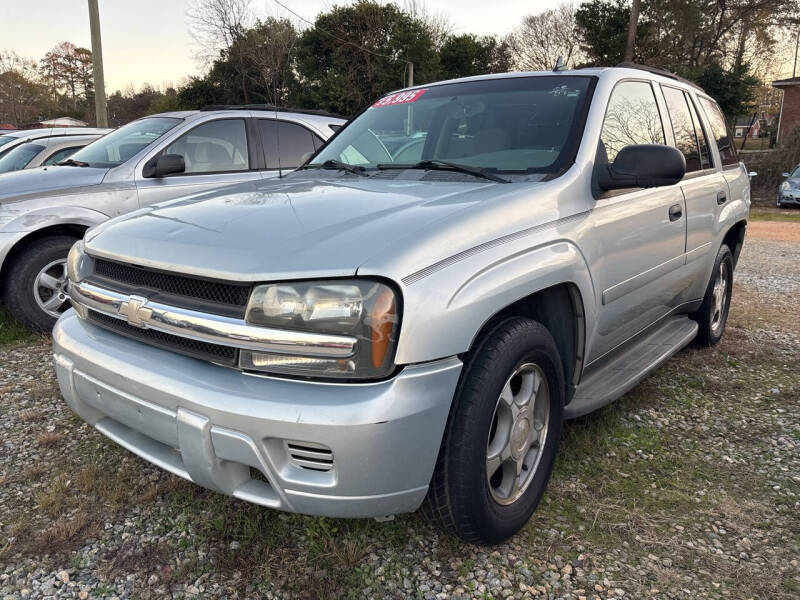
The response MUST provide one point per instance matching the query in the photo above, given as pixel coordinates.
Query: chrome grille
(131, 278)
(215, 353)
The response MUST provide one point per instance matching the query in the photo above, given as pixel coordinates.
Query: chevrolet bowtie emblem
(135, 311)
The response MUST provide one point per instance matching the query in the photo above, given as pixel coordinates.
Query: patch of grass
(49, 438)
(12, 331)
(760, 213)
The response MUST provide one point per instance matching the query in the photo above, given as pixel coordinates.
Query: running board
(620, 374)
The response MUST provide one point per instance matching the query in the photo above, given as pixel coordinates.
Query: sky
(147, 41)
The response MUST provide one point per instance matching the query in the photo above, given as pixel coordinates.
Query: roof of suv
(632, 69)
(317, 117)
(55, 132)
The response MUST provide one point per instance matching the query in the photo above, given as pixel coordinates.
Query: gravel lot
(688, 487)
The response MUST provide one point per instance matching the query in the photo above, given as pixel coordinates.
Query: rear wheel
(502, 435)
(36, 287)
(713, 313)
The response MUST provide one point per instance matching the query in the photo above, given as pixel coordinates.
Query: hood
(287, 229)
(19, 185)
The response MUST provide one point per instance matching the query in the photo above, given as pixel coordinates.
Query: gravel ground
(688, 487)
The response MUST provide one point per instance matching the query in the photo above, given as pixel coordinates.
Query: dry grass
(49, 438)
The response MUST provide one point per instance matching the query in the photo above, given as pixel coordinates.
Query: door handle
(675, 212)
(722, 197)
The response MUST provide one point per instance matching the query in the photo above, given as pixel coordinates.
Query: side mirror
(784, 175)
(164, 164)
(642, 165)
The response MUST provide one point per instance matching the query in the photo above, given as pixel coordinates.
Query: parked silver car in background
(789, 189)
(43, 152)
(12, 139)
(44, 211)
(406, 320)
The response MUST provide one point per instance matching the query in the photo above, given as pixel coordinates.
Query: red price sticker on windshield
(399, 98)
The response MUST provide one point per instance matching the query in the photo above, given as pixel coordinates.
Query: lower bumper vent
(309, 456)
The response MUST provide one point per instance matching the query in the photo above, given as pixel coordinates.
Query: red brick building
(790, 106)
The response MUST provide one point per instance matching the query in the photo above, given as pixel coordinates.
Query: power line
(334, 36)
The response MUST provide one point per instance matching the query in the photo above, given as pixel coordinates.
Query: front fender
(445, 310)
(33, 220)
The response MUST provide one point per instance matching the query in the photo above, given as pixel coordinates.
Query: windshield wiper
(337, 164)
(71, 162)
(443, 165)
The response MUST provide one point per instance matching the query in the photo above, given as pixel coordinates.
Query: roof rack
(270, 108)
(656, 71)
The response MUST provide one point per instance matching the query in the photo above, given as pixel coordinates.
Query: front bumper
(234, 433)
(789, 197)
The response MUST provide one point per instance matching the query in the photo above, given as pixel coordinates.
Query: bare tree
(214, 26)
(20, 93)
(439, 25)
(541, 38)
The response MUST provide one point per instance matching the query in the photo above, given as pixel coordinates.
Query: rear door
(217, 153)
(286, 145)
(704, 186)
(638, 235)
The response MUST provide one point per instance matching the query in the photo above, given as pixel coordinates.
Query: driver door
(638, 237)
(217, 153)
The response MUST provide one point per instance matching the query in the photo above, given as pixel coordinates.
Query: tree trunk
(632, 30)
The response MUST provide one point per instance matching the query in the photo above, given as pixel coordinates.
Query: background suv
(44, 211)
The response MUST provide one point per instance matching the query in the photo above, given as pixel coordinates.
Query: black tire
(25, 267)
(459, 499)
(711, 328)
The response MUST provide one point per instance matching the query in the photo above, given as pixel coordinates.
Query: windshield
(795, 173)
(521, 124)
(19, 157)
(118, 146)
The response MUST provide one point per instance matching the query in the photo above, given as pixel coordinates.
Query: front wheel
(713, 313)
(36, 287)
(502, 435)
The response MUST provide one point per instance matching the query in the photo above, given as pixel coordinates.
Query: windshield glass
(521, 124)
(118, 146)
(795, 173)
(19, 157)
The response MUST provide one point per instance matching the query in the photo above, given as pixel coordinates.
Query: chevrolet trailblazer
(407, 319)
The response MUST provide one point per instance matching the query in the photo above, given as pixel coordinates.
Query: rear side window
(705, 154)
(59, 155)
(631, 118)
(286, 144)
(683, 127)
(719, 129)
(213, 147)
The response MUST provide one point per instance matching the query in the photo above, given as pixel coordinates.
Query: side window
(59, 155)
(705, 155)
(213, 147)
(289, 140)
(719, 129)
(631, 118)
(683, 127)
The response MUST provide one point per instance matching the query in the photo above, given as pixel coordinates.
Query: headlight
(79, 264)
(365, 310)
(785, 186)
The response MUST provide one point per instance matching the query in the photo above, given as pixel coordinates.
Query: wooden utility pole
(97, 64)
(634, 20)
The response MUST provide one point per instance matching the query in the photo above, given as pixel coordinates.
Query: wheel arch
(76, 230)
(568, 330)
(734, 239)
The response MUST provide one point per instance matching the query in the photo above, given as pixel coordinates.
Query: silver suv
(405, 321)
(44, 211)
